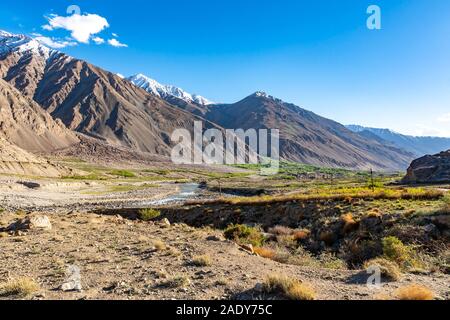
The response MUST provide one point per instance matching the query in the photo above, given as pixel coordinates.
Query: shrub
(149, 214)
(159, 245)
(446, 205)
(389, 269)
(290, 288)
(265, 252)
(327, 236)
(21, 287)
(281, 231)
(349, 223)
(300, 235)
(201, 261)
(177, 282)
(330, 261)
(287, 241)
(414, 292)
(357, 252)
(395, 250)
(244, 234)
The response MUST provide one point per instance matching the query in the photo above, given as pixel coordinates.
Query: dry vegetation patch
(414, 292)
(389, 269)
(21, 287)
(289, 288)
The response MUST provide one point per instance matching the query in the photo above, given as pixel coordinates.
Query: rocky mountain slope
(91, 100)
(25, 124)
(419, 146)
(307, 137)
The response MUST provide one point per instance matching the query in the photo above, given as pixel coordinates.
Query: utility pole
(372, 183)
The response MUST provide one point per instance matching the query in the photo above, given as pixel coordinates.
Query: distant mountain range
(75, 97)
(419, 146)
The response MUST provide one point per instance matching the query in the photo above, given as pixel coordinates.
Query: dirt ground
(123, 259)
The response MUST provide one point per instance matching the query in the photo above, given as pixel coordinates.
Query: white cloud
(98, 40)
(82, 27)
(55, 43)
(445, 118)
(115, 35)
(116, 43)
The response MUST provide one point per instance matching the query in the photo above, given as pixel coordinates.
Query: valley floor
(188, 257)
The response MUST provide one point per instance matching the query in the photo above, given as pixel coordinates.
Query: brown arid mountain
(25, 124)
(308, 138)
(25, 128)
(90, 100)
(102, 105)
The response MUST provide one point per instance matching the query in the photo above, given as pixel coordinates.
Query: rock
(429, 169)
(73, 280)
(248, 248)
(165, 223)
(33, 222)
(30, 185)
(259, 287)
(214, 238)
(432, 231)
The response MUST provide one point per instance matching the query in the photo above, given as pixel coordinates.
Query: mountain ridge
(164, 91)
(418, 145)
(105, 106)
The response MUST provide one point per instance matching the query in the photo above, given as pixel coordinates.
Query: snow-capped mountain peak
(165, 91)
(21, 43)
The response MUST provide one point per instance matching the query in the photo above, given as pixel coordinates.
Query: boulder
(165, 223)
(32, 222)
(429, 169)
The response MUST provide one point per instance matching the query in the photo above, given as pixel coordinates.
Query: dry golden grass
(414, 292)
(349, 223)
(3, 235)
(388, 268)
(202, 261)
(159, 245)
(290, 288)
(21, 287)
(177, 282)
(265, 252)
(300, 235)
(374, 213)
(338, 194)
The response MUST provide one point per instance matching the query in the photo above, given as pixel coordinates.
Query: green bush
(244, 234)
(149, 214)
(123, 173)
(446, 201)
(395, 250)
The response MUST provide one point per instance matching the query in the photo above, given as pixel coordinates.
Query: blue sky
(317, 54)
